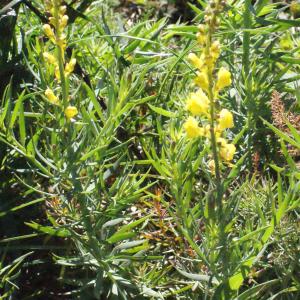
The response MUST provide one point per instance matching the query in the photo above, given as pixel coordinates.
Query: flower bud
(63, 21)
(52, 21)
(48, 31)
(62, 9)
(201, 28)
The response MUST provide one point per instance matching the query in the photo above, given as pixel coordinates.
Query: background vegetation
(116, 204)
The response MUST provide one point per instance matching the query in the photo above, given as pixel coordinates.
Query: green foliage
(121, 201)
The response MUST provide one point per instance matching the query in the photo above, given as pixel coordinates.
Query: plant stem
(247, 74)
(60, 57)
(212, 121)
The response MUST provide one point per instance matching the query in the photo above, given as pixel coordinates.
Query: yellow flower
(295, 8)
(63, 22)
(192, 129)
(50, 58)
(51, 97)
(197, 103)
(224, 78)
(71, 112)
(227, 152)
(52, 21)
(212, 166)
(225, 119)
(201, 38)
(201, 28)
(62, 9)
(221, 141)
(61, 42)
(207, 132)
(202, 80)
(286, 43)
(195, 60)
(57, 73)
(48, 31)
(70, 66)
(215, 50)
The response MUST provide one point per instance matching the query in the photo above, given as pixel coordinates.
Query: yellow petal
(227, 152)
(49, 58)
(197, 103)
(48, 31)
(71, 112)
(70, 66)
(224, 78)
(191, 127)
(225, 119)
(195, 60)
(51, 97)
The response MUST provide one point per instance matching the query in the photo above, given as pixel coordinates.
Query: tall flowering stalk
(209, 120)
(55, 31)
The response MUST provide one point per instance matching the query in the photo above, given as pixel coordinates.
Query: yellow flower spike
(70, 66)
(225, 119)
(49, 58)
(51, 97)
(195, 60)
(49, 32)
(227, 152)
(224, 79)
(198, 103)
(192, 129)
(202, 80)
(71, 112)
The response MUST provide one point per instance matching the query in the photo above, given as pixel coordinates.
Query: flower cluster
(62, 69)
(203, 104)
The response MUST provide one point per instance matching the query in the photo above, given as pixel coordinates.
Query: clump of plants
(160, 159)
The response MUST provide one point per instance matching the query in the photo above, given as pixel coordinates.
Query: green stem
(60, 57)
(64, 88)
(212, 121)
(247, 73)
